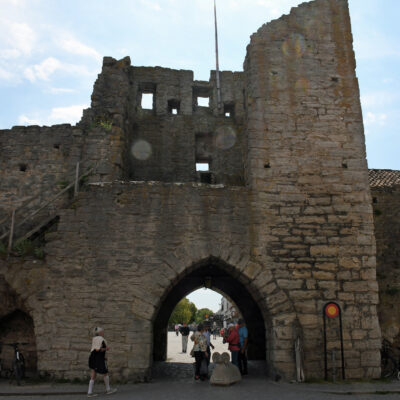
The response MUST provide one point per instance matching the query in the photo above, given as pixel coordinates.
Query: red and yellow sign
(331, 310)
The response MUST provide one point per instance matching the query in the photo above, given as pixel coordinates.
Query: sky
(206, 298)
(51, 52)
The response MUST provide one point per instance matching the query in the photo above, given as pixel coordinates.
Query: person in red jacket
(234, 343)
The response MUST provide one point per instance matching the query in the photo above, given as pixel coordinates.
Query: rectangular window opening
(174, 107)
(229, 110)
(147, 101)
(202, 166)
(203, 101)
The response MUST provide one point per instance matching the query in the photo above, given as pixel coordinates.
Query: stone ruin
(280, 219)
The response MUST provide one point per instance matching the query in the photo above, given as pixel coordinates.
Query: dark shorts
(97, 362)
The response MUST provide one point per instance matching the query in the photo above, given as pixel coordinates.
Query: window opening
(174, 107)
(202, 166)
(147, 101)
(23, 167)
(229, 110)
(203, 101)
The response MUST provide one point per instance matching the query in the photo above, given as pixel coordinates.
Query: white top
(97, 342)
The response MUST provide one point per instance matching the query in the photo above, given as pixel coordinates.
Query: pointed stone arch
(250, 293)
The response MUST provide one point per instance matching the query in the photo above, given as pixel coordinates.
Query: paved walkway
(249, 389)
(183, 386)
(174, 352)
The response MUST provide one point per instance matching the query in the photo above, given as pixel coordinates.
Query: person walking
(234, 343)
(200, 352)
(207, 335)
(184, 330)
(98, 362)
(244, 337)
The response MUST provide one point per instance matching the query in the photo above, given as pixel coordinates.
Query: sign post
(332, 310)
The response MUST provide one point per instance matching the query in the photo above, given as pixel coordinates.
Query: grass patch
(26, 247)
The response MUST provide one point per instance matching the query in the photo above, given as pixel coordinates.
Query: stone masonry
(282, 221)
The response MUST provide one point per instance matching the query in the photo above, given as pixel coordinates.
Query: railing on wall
(10, 232)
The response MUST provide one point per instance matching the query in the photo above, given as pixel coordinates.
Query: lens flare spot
(295, 45)
(302, 85)
(225, 137)
(141, 150)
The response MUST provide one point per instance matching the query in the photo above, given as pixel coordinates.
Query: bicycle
(17, 370)
(390, 367)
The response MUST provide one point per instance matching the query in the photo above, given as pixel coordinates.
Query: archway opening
(221, 277)
(17, 327)
(202, 306)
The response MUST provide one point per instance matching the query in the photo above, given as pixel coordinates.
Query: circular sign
(331, 310)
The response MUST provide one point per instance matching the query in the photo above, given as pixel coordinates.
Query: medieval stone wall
(307, 167)
(290, 219)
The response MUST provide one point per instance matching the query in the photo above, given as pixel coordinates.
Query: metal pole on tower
(217, 61)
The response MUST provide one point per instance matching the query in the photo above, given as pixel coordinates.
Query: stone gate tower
(281, 220)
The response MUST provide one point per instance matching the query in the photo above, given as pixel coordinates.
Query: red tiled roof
(383, 177)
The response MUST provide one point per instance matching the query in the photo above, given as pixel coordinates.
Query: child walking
(98, 361)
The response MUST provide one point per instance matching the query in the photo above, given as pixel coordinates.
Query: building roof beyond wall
(383, 178)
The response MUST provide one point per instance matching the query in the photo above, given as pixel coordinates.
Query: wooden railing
(13, 225)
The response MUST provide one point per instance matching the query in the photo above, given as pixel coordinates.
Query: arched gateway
(226, 279)
(282, 220)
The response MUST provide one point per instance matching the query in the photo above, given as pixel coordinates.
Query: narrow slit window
(174, 111)
(202, 166)
(147, 101)
(227, 114)
(203, 101)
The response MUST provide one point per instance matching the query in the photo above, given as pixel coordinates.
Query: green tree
(184, 312)
(201, 314)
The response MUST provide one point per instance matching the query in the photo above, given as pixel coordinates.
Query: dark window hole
(335, 79)
(174, 107)
(56, 146)
(344, 165)
(206, 177)
(375, 200)
(267, 165)
(23, 167)
(229, 110)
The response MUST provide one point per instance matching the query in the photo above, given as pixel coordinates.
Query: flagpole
(217, 61)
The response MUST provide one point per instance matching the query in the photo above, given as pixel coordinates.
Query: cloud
(5, 75)
(43, 70)
(382, 98)
(151, 4)
(375, 119)
(16, 39)
(70, 114)
(57, 115)
(74, 46)
(49, 66)
(55, 90)
(24, 120)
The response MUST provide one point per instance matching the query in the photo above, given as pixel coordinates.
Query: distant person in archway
(200, 352)
(234, 343)
(177, 329)
(207, 334)
(244, 337)
(184, 330)
(98, 361)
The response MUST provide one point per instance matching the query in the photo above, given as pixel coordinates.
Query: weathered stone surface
(284, 217)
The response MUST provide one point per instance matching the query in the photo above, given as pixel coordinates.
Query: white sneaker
(92, 394)
(111, 391)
